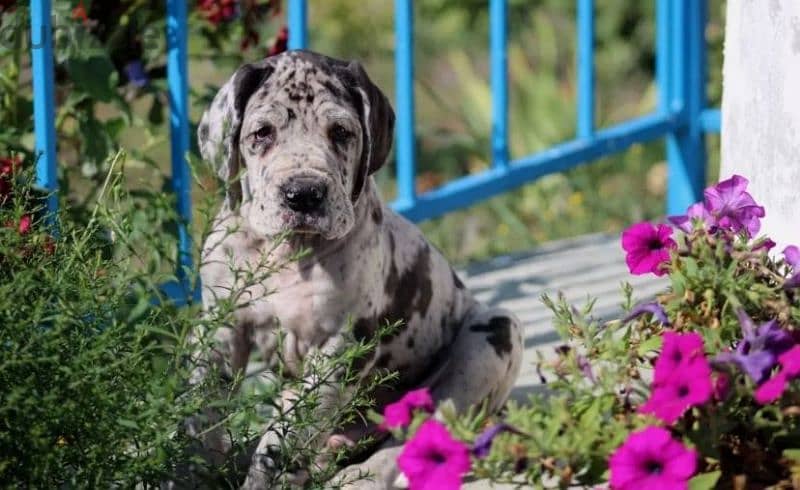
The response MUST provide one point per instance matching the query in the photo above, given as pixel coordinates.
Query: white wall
(761, 108)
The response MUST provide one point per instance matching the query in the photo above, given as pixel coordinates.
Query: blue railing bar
(663, 59)
(404, 72)
(177, 77)
(498, 40)
(711, 121)
(477, 187)
(44, 101)
(298, 24)
(686, 149)
(585, 69)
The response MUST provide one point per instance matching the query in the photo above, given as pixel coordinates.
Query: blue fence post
(585, 69)
(44, 101)
(686, 151)
(404, 73)
(498, 39)
(177, 74)
(298, 24)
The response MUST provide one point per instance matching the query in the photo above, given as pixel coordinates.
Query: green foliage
(96, 364)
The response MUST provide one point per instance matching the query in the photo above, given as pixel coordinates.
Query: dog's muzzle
(304, 194)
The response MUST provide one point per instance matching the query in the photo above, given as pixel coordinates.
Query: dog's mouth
(303, 222)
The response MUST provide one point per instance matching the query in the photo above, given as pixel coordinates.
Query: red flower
(281, 42)
(7, 168)
(218, 11)
(24, 226)
(79, 13)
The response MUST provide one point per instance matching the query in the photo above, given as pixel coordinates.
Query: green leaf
(649, 345)
(793, 454)
(94, 74)
(128, 423)
(704, 481)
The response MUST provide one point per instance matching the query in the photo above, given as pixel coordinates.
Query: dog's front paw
(259, 475)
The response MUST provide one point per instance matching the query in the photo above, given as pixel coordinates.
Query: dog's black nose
(304, 195)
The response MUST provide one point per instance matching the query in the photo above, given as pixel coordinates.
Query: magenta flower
(757, 353)
(433, 460)
(677, 352)
(773, 388)
(647, 248)
(733, 207)
(688, 387)
(696, 212)
(400, 413)
(651, 458)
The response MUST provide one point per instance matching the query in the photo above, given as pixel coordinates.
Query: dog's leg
(323, 380)
(482, 367)
(226, 357)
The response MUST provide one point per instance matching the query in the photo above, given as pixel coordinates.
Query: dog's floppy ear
(218, 132)
(377, 122)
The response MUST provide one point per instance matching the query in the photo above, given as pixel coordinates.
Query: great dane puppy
(297, 137)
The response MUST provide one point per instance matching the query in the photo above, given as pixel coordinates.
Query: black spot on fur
(384, 360)
(377, 214)
(456, 280)
(499, 333)
(410, 343)
(310, 97)
(203, 131)
(411, 292)
(290, 114)
(333, 89)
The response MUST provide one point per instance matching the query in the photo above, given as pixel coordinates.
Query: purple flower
(401, 412)
(757, 353)
(792, 256)
(773, 388)
(678, 350)
(733, 207)
(696, 212)
(483, 443)
(726, 205)
(136, 73)
(647, 248)
(653, 308)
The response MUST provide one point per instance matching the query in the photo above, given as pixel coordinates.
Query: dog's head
(296, 137)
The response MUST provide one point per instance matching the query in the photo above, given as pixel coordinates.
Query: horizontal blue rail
(682, 117)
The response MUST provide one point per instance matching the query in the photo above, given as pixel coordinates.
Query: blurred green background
(453, 105)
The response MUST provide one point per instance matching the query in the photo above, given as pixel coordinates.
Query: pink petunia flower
(651, 458)
(400, 413)
(691, 386)
(733, 207)
(682, 377)
(773, 388)
(647, 248)
(677, 350)
(433, 460)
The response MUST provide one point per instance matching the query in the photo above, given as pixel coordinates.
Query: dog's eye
(339, 134)
(264, 134)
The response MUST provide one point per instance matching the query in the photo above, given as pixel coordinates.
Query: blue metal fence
(682, 116)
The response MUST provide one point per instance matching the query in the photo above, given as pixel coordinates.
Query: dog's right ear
(218, 132)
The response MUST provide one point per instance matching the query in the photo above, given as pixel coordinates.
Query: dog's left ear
(377, 122)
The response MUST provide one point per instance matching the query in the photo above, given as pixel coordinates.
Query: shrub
(95, 362)
(695, 388)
